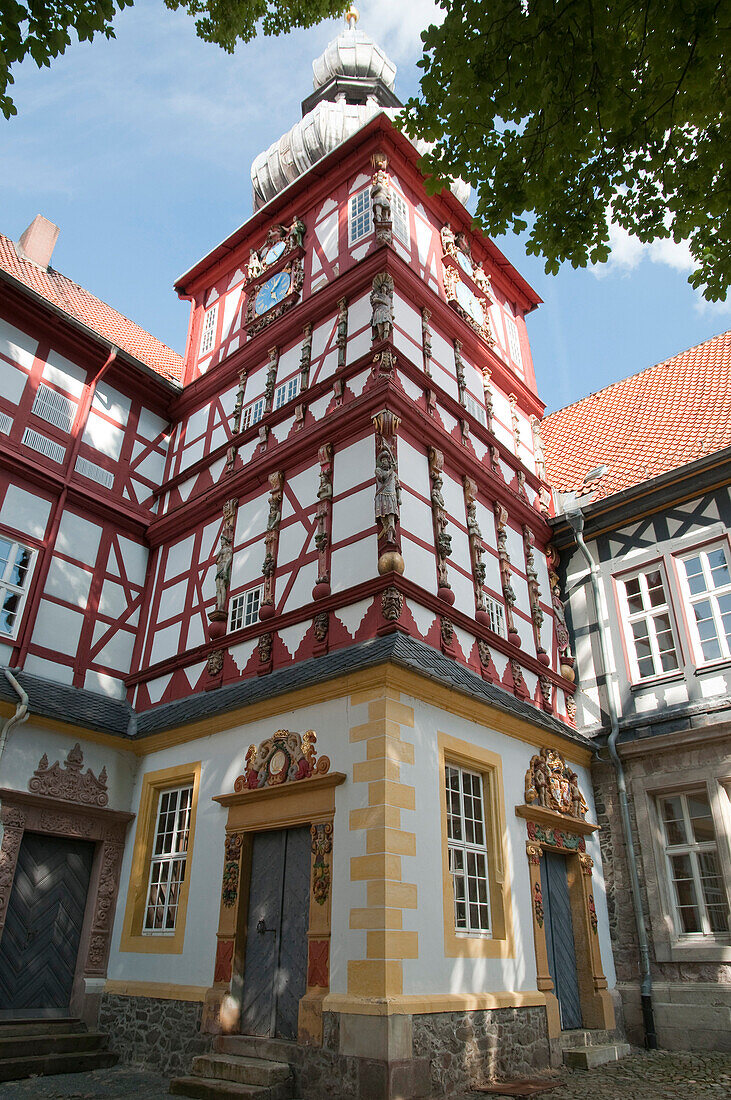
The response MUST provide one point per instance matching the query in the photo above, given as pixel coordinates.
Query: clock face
(465, 262)
(271, 292)
(273, 253)
(471, 303)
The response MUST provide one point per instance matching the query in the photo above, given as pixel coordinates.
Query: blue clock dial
(471, 303)
(465, 262)
(271, 292)
(274, 252)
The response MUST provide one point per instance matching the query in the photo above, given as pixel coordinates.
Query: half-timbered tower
(647, 461)
(345, 724)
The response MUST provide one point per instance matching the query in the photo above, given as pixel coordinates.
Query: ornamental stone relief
(550, 783)
(284, 758)
(68, 782)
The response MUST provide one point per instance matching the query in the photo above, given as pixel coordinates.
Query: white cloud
(628, 253)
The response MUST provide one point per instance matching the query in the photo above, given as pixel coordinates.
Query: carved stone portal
(284, 758)
(550, 783)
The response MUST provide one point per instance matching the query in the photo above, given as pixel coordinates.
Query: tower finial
(352, 16)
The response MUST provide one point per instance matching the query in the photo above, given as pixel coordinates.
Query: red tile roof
(78, 303)
(646, 425)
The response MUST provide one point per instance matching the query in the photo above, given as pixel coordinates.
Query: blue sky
(140, 150)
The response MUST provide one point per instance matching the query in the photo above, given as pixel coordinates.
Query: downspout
(576, 519)
(21, 715)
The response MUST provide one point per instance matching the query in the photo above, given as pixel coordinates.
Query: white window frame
(244, 608)
(360, 216)
(287, 391)
(253, 413)
(400, 218)
(7, 588)
(473, 406)
(648, 614)
(514, 349)
(461, 848)
(496, 614)
(174, 860)
(208, 331)
(691, 848)
(711, 595)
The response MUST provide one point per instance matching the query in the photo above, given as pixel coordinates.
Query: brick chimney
(38, 241)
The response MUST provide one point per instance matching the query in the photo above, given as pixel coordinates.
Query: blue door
(560, 938)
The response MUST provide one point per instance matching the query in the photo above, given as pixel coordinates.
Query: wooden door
(275, 967)
(40, 942)
(560, 938)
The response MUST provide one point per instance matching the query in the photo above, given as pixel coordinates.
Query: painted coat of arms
(284, 758)
(550, 783)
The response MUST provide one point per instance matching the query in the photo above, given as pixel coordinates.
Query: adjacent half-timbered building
(648, 462)
(293, 604)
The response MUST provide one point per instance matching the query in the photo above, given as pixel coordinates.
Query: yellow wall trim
(405, 1005)
(161, 991)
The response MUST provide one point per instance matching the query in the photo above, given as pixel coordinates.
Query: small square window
(252, 413)
(286, 392)
(16, 567)
(360, 216)
(244, 610)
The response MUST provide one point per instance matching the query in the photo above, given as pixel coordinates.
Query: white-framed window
(244, 609)
(208, 333)
(16, 567)
(169, 856)
(513, 342)
(707, 582)
(473, 406)
(287, 391)
(648, 624)
(698, 895)
(252, 413)
(496, 614)
(400, 218)
(360, 216)
(467, 847)
(54, 407)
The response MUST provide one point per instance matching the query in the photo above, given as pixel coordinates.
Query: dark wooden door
(40, 942)
(275, 967)
(560, 938)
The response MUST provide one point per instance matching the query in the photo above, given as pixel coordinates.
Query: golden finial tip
(352, 16)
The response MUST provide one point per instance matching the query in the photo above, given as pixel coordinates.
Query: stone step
(63, 1024)
(44, 1065)
(21, 1046)
(246, 1071)
(589, 1057)
(208, 1088)
(257, 1046)
(584, 1037)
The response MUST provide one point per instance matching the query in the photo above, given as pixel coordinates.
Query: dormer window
(360, 216)
(208, 335)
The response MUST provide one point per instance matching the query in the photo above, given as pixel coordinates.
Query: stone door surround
(284, 786)
(64, 802)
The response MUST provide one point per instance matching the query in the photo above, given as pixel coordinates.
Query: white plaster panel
(328, 366)
(251, 518)
(359, 345)
(423, 236)
(327, 235)
(112, 600)
(186, 488)
(353, 465)
(301, 591)
(516, 549)
(410, 388)
(157, 687)
(103, 684)
(317, 408)
(420, 564)
(51, 670)
(65, 374)
(505, 436)
(320, 336)
(134, 556)
(192, 453)
(352, 514)
(110, 401)
(103, 436)
(520, 587)
(676, 693)
(57, 628)
(453, 493)
(152, 467)
(466, 641)
(150, 425)
(117, 651)
(423, 618)
(359, 314)
(209, 537)
(68, 582)
(247, 564)
(180, 556)
(416, 517)
(527, 638)
(12, 380)
(479, 447)
(25, 512)
(17, 345)
(192, 672)
(356, 384)
(165, 643)
(78, 538)
(292, 636)
(304, 487)
(292, 540)
(354, 563)
(230, 307)
(486, 522)
(442, 350)
(353, 615)
(241, 653)
(172, 600)
(463, 588)
(196, 634)
(414, 468)
(281, 430)
(493, 580)
(450, 422)
(407, 318)
(714, 685)
(218, 437)
(228, 400)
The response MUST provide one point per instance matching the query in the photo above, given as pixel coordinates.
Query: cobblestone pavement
(659, 1075)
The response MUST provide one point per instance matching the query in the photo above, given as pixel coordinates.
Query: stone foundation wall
(159, 1034)
(472, 1048)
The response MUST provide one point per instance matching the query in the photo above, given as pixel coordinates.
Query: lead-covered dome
(353, 54)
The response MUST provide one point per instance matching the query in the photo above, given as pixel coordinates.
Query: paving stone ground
(656, 1075)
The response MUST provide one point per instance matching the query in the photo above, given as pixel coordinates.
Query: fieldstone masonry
(159, 1034)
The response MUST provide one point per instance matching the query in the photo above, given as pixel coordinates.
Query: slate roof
(86, 708)
(649, 424)
(92, 312)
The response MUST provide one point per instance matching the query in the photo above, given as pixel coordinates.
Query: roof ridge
(636, 374)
